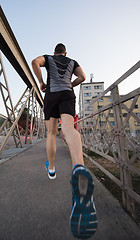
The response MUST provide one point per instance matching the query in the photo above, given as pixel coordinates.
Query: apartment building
(87, 92)
(132, 127)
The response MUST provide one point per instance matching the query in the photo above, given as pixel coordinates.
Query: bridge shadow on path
(33, 207)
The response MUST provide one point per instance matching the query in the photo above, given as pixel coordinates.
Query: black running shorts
(57, 103)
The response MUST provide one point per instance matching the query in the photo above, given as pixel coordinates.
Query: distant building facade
(132, 127)
(87, 92)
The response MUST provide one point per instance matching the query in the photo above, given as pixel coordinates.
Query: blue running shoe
(83, 217)
(51, 173)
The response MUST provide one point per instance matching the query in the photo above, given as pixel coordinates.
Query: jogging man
(59, 102)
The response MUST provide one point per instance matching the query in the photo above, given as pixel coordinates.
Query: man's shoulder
(47, 55)
(59, 57)
(70, 59)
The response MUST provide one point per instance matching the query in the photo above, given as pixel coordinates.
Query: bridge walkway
(32, 207)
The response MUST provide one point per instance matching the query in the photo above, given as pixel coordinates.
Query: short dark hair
(60, 48)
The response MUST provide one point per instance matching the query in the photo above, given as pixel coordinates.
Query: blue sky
(102, 35)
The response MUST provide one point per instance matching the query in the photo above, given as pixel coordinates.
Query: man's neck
(60, 54)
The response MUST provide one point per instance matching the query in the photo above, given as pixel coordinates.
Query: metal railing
(31, 99)
(107, 133)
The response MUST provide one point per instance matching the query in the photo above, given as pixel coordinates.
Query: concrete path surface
(33, 207)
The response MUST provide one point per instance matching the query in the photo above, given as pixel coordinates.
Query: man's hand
(43, 87)
(80, 76)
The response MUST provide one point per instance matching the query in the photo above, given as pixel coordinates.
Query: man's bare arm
(80, 76)
(37, 63)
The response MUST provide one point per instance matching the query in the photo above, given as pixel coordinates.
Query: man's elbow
(83, 77)
(34, 62)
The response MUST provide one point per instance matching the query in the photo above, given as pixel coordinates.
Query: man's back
(60, 69)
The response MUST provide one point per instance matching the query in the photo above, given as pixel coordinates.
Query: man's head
(60, 49)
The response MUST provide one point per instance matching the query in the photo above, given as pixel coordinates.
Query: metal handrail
(102, 141)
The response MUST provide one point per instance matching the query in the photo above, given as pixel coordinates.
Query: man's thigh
(67, 104)
(67, 121)
(51, 107)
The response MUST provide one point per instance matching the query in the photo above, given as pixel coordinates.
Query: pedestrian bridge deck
(34, 207)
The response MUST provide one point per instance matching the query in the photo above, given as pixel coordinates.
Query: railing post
(27, 122)
(123, 154)
(9, 107)
(32, 117)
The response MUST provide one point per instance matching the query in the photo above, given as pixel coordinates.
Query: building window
(109, 99)
(124, 114)
(100, 100)
(137, 124)
(87, 101)
(89, 108)
(87, 87)
(111, 114)
(136, 106)
(87, 94)
(127, 131)
(138, 114)
(99, 107)
(98, 87)
(138, 131)
(102, 123)
(112, 123)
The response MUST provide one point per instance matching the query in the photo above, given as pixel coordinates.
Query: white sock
(52, 170)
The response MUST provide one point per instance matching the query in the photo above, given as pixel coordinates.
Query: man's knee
(69, 130)
(52, 126)
(51, 132)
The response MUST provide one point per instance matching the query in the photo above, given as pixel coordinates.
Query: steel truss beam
(15, 123)
(11, 49)
(34, 120)
(8, 106)
(34, 123)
